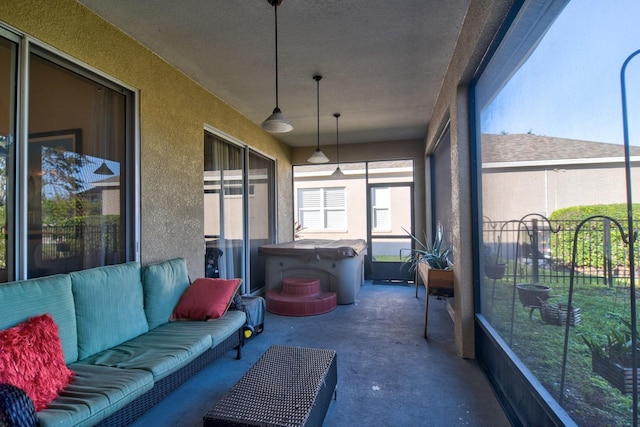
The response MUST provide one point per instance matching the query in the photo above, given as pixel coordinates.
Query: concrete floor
(388, 374)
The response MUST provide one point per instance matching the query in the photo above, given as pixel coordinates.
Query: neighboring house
(107, 193)
(550, 173)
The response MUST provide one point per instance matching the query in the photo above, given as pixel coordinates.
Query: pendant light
(276, 122)
(103, 169)
(337, 173)
(318, 156)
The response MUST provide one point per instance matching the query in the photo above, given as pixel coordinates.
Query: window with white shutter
(322, 208)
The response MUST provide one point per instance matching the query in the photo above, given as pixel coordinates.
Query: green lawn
(588, 398)
(389, 258)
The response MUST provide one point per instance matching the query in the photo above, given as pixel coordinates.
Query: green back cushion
(28, 298)
(163, 284)
(109, 306)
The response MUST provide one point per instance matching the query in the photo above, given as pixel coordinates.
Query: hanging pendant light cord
(318, 156)
(275, 11)
(317, 79)
(276, 122)
(336, 115)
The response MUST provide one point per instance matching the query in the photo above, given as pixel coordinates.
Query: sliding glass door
(239, 210)
(262, 207)
(76, 168)
(67, 187)
(224, 207)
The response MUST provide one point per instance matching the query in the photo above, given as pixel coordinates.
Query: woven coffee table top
(279, 389)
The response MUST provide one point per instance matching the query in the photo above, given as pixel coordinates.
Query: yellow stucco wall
(482, 21)
(173, 113)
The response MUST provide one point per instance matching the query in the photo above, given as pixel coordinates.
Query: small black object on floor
(254, 308)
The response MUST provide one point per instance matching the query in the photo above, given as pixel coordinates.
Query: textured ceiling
(382, 62)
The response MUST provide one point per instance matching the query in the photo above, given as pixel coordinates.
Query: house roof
(528, 148)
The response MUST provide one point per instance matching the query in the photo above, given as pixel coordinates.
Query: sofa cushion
(160, 351)
(28, 298)
(95, 393)
(163, 285)
(31, 358)
(206, 298)
(109, 306)
(218, 329)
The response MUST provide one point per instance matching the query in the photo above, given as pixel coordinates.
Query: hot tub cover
(326, 249)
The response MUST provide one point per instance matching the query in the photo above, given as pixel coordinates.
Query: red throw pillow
(31, 358)
(206, 298)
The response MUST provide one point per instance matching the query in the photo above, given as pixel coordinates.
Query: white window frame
(322, 209)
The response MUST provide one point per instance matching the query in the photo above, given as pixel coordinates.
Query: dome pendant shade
(337, 173)
(318, 156)
(277, 123)
(103, 170)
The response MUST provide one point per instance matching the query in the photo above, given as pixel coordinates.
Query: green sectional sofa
(117, 339)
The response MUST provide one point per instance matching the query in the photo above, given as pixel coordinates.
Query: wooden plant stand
(436, 282)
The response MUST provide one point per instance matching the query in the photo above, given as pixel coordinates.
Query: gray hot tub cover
(326, 249)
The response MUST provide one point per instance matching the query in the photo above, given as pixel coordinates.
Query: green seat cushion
(95, 393)
(163, 284)
(28, 298)
(218, 329)
(109, 306)
(160, 351)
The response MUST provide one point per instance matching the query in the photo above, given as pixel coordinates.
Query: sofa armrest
(16, 408)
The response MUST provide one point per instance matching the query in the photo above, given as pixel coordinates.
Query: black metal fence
(69, 241)
(543, 250)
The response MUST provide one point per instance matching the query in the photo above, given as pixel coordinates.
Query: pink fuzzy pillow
(206, 298)
(31, 358)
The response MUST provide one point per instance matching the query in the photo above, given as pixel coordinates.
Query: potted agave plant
(432, 262)
(611, 356)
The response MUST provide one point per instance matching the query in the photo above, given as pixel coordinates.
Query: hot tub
(339, 264)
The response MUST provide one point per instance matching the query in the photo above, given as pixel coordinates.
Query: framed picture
(63, 140)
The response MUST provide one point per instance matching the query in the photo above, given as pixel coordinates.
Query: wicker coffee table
(287, 386)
